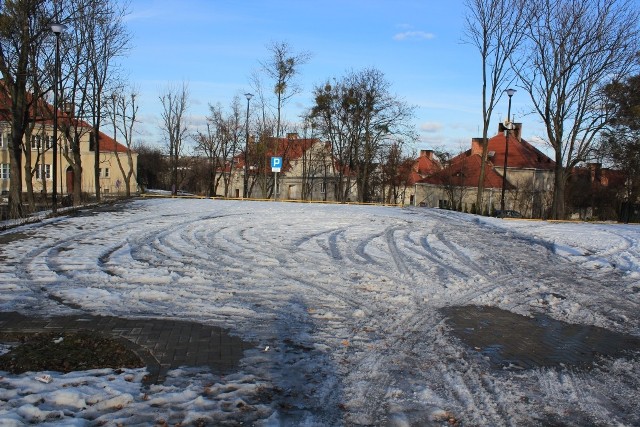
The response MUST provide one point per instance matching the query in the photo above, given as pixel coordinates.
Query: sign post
(276, 164)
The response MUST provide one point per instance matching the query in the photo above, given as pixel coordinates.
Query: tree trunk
(77, 174)
(483, 162)
(15, 182)
(558, 206)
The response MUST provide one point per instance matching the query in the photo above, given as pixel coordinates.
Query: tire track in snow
(396, 256)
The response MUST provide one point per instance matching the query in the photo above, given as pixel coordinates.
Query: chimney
(517, 132)
(476, 146)
(427, 153)
(69, 108)
(596, 171)
(292, 136)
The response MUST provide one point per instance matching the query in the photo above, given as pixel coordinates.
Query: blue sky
(214, 46)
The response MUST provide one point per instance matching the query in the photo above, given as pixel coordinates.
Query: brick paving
(504, 338)
(510, 340)
(163, 344)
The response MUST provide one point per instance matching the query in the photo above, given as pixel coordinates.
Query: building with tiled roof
(308, 171)
(527, 185)
(40, 145)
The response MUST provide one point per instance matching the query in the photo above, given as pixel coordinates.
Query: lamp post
(57, 29)
(245, 191)
(507, 128)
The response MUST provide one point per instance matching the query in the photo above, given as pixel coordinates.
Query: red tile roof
(107, 143)
(464, 170)
(522, 154)
(290, 149)
(426, 163)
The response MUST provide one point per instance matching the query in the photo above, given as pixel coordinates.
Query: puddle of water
(510, 340)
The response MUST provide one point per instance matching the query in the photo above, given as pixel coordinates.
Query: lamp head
(248, 96)
(58, 28)
(510, 92)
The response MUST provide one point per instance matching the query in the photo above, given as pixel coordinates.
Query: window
(35, 142)
(103, 172)
(4, 171)
(43, 171)
(5, 138)
(48, 142)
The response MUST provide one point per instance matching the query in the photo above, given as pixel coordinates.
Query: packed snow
(342, 302)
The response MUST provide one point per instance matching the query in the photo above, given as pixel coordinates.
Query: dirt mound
(66, 352)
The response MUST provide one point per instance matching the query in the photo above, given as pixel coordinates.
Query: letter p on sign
(276, 164)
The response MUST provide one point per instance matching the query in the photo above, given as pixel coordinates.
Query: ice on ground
(345, 299)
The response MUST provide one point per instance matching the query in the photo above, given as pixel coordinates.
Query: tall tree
(573, 48)
(359, 115)
(152, 168)
(282, 68)
(620, 144)
(76, 92)
(109, 39)
(397, 168)
(123, 112)
(492, 27)
(36, 141)
(220, 144)
(24, 25)
(175, 103)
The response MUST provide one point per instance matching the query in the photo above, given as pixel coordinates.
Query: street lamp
(57, 29)
(245, 191)
(507, 127)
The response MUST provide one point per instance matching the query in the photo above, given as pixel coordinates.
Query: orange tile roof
(426, 164)
(290, 149)
(522, 154)
(107, 143)
(464, 170)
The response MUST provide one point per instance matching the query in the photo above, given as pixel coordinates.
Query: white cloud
(413, 35)
(431, 127)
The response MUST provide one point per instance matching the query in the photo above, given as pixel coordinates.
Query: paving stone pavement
(163, 344)
(511, 340)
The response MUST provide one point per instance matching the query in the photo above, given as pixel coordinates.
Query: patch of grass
(66, 352)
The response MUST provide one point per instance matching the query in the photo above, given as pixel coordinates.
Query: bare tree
(35, 136)
(492, 27)
(123, 111)
(104, 21)
(397, 166)
(175, 102)
(282, 67)
(25, 63)
(75, 93)
(620, 143)
(452, 177)
(220, 144)
(359, 115)
(317, 165)
(572, 49)
(24, 25)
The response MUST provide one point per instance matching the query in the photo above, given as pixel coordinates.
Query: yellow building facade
(113, 160)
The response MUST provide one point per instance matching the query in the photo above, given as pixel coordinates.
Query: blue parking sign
(276, 164)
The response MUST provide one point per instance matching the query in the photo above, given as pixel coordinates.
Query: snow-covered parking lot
(343, 302)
